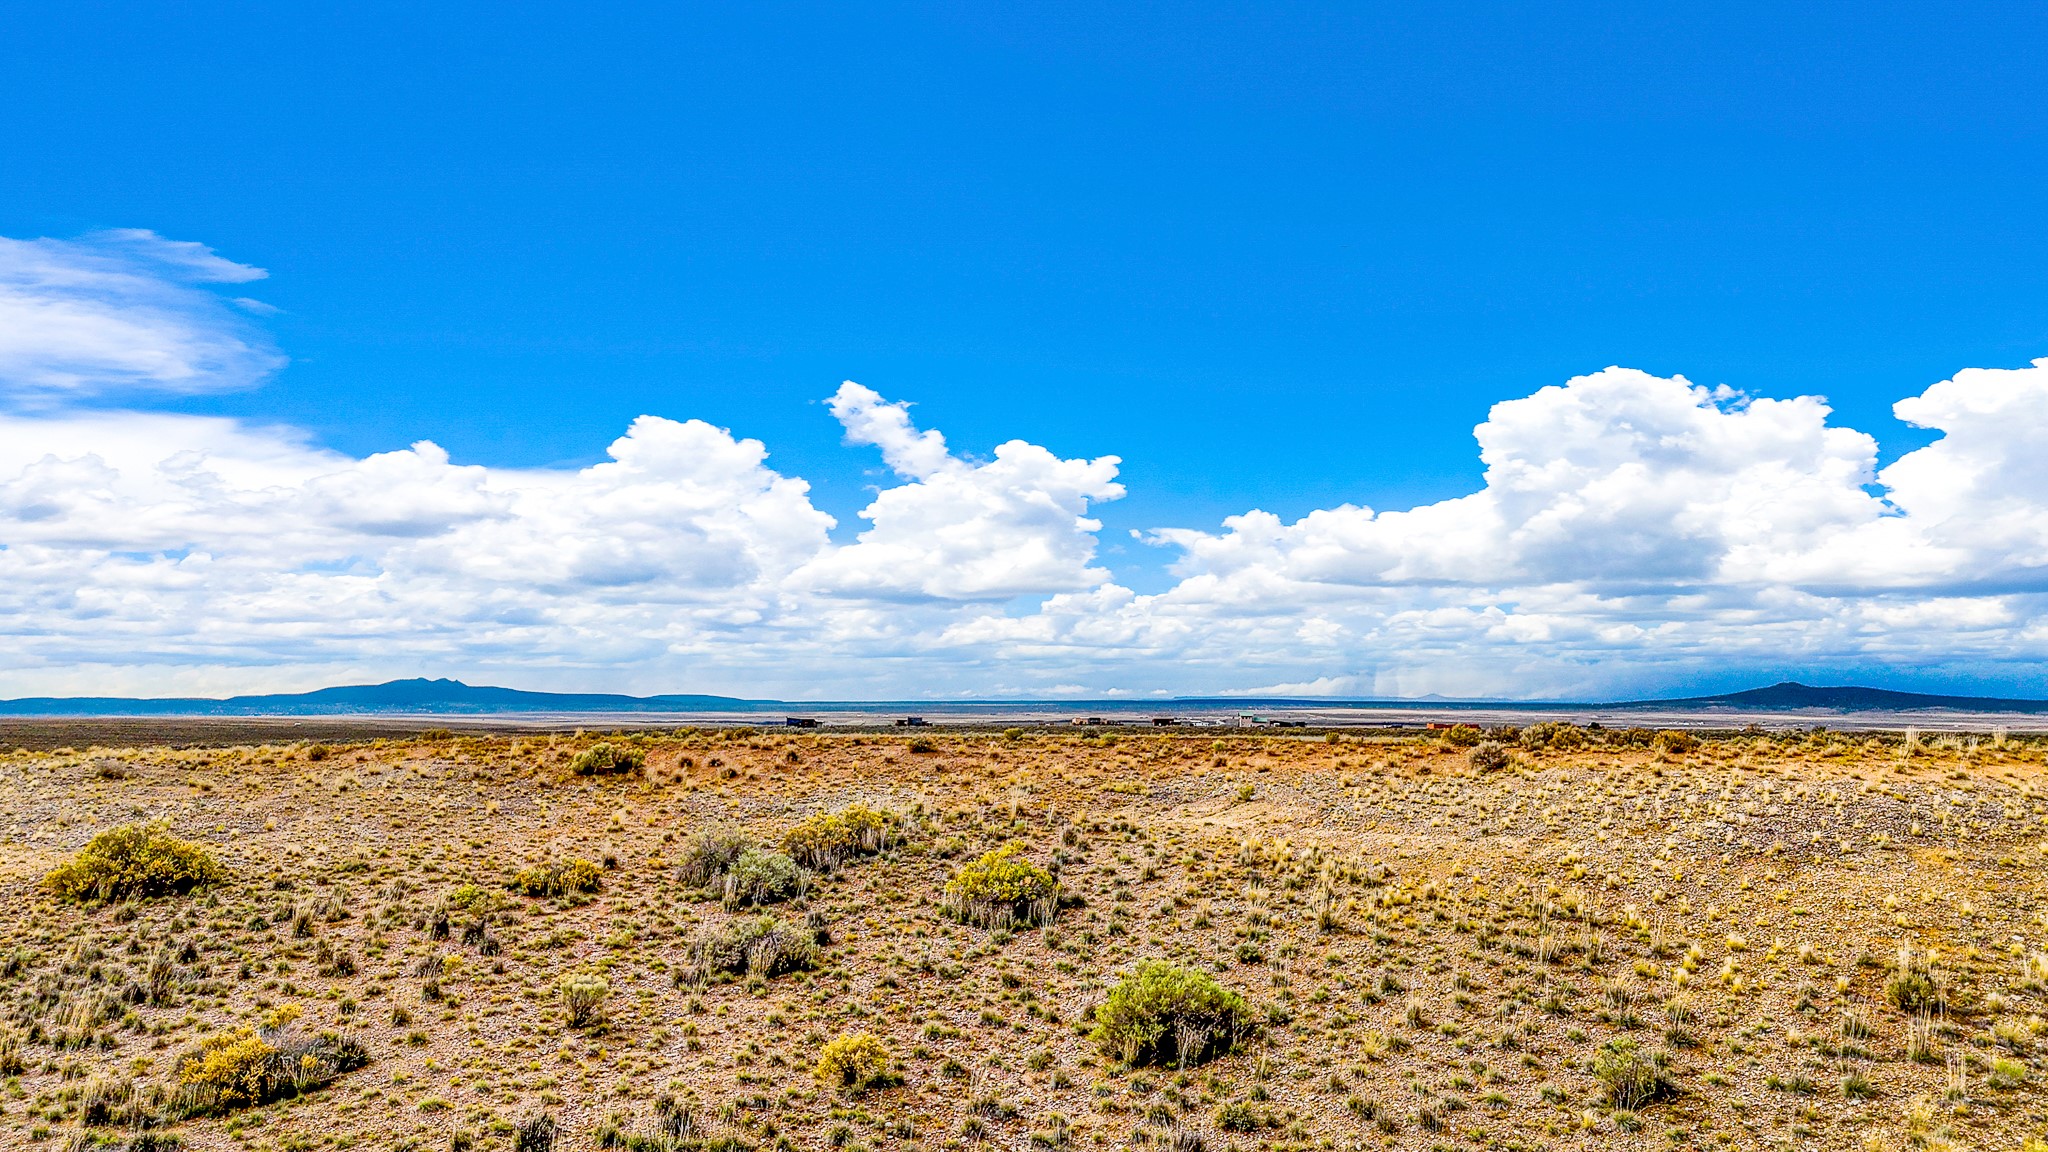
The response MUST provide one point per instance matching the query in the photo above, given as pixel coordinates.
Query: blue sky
(1276, 257)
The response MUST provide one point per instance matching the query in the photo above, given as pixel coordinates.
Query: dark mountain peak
(1791, 694)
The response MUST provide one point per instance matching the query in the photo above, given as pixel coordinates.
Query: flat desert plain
(748, 940)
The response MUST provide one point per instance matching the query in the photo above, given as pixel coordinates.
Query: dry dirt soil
(1814, 941)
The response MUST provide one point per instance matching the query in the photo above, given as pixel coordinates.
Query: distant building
(800, 722)
(1165, 721)
(911, 722)
(1087, 720)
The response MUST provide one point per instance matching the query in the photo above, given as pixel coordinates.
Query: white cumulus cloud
(1632, 532)
(1011, 526)
(1636, 529)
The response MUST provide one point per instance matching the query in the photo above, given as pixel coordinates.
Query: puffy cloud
(1976, 501)
(1632, 532)
(123, 310)
(869, 419)
(1013, 526)
(1613, 480)
(146, 551)
(199, 539)
(1639, 530)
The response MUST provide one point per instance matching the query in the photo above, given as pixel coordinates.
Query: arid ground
(1801, 940)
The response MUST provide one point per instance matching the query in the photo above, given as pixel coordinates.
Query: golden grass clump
(135, 860)
(557, 877)
(753, 946)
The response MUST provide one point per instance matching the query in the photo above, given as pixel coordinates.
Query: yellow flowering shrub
(135, 860)
(1001, 888)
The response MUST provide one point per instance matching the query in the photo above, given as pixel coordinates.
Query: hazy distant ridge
(453, 697)
(1792, 696)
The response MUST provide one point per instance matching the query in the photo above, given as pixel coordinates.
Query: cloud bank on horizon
(1632, 532)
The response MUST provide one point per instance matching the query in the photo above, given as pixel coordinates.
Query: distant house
(1165, 721)
(800, 722)
(911, 722)
(1087, 720)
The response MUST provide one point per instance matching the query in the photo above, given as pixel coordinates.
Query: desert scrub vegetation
(247, 1067)
(556, 878)
(752, 946)
(831, 838)
(138, 860)
(1162, 1013)
(1915, 984)
(1463, 735)
(1630, 1078)
(724, 865)
(855, 1063)
(759, 877)
(1002, 888)
(708, 856)
(583, 995)
(1435, 956)
(604, 759)
(1488, 756)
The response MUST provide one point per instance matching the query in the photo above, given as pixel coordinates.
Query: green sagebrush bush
(722, 863)
(762, 877)
(753, 946)
(1487, 756)
(1558, 735)
(557, 877)
(603, 759)
(1629, 1077)
(583, 996)
(1674, 742)
(1002, 888)
(1462, 736)
(830, 838)
(1912, 986)
(135, 860)
(245, 1068)
(709, 855)
(856, 1062)
(1162, 1013)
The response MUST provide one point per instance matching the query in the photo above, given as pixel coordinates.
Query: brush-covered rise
(1605, 941)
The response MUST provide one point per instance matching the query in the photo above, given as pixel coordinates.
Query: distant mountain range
(1793, 696)
(454, 698)
(419, 696)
